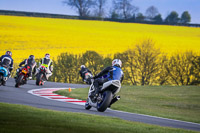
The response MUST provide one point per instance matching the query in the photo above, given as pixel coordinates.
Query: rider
(6, 61)
(113, 72)
(28, 62)
(48, 63)
(83, 71)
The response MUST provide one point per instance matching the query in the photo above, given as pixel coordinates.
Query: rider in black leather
(28, 62)
(83, 71)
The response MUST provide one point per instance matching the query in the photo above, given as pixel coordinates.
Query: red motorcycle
(41, 76)
(22, 76)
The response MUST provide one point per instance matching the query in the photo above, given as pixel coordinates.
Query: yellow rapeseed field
(31, 35)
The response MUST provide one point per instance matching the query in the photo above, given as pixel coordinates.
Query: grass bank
(25, 119)
(176, 102)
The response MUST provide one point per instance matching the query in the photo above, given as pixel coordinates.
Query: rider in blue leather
(113, 72)
(6, 61)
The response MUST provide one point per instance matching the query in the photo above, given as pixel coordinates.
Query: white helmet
(117, 62)
(82, 66)
(47, 56)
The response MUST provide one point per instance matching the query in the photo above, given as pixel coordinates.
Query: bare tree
(141, 64)
(130, 63)
(146, 62)
(82, 6)
(100, 11)
(93, 61)
(163, 74)
(196, 70)
(151, 12)
(181, 68)
(125, 8)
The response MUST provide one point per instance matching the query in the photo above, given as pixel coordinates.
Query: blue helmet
(9, 53)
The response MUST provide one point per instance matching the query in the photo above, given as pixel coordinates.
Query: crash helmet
(9, 53)
(32, 57)
(117, 62)
(47, 56)
(82, 66)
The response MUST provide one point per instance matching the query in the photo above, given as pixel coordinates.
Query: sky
(57, 7)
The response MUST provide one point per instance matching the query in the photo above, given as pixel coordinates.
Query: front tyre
(39, 79)
(87, 106)
(1, 79)
(19, 81)
(106, 99)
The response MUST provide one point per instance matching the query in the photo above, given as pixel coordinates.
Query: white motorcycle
(106, 96)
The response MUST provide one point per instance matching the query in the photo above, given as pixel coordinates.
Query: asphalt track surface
(10, 94)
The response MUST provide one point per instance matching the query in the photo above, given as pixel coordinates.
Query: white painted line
(57, 97)
(48, 93)
(156, 117)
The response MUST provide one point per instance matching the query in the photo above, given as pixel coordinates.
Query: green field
(176, 102)
(25, 119)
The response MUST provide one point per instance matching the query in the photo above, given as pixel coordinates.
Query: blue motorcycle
(3, 75)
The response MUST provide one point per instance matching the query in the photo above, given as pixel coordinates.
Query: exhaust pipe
(114, 100)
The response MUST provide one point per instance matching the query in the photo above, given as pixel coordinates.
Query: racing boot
(30, 76)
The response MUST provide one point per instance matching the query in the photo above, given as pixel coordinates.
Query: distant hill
(36, 14)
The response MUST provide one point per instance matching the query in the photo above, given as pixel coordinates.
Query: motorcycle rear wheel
(106, 99)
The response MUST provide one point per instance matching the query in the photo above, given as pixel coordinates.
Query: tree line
(142, 65)
(124, 10)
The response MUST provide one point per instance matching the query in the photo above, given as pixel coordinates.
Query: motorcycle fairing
(4, 71)
(113, 85)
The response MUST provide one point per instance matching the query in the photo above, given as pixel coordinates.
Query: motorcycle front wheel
(105, 102)
(1, 78)
(39, 79)
(19, 81)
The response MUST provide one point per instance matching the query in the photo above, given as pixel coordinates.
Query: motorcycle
(22, 77)
(106, 96)
(3, 75)
(41, 76)
(88, 78)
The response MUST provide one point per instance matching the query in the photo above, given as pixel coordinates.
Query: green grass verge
(26, 119)
(176, 102)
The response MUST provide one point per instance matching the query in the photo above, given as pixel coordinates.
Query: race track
(10, 94)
